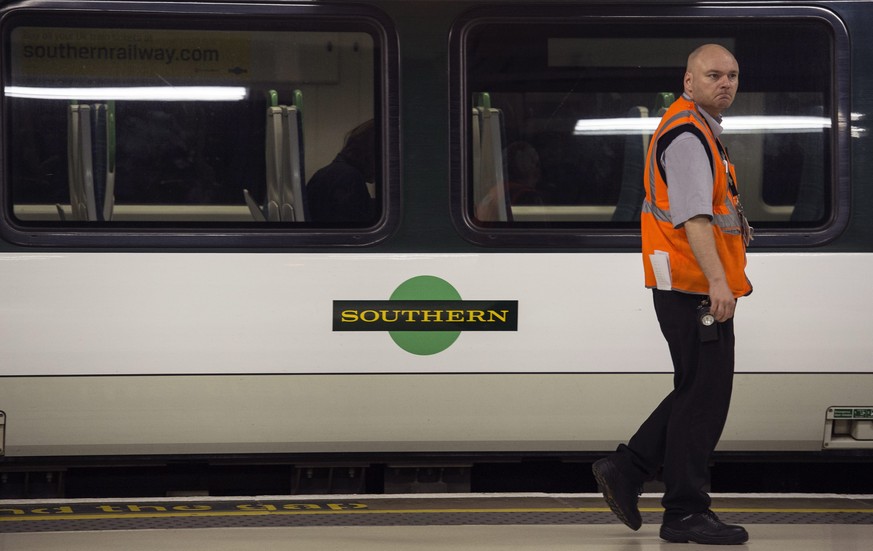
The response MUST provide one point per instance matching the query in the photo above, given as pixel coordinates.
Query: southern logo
(425, 315)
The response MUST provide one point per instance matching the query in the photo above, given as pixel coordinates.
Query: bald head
(711, 78)
(702, 52)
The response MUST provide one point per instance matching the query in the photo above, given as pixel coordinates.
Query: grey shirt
(689, 175)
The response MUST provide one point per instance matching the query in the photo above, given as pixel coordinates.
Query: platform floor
(473, 522)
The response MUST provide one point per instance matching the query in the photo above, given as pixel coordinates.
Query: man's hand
(722, 301)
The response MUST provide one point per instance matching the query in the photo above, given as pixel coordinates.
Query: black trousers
(682, 432)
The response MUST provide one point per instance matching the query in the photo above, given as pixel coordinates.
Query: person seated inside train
(338, 192)
(522, 179)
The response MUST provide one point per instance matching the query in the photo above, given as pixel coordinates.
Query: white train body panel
(217, 353)
(174, 314)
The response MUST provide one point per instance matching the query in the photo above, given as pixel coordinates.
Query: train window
(556, 111)
(253, 125)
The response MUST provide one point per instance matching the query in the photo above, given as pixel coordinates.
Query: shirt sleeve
(689, 179)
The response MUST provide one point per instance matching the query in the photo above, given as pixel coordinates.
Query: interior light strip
(143, 93)
(733, 125)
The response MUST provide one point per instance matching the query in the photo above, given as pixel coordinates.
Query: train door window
(556, 109)
(242, 124)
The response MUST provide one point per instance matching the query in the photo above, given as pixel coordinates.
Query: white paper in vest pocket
(661, 266)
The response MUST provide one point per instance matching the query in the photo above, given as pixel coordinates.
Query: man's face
(712, 80)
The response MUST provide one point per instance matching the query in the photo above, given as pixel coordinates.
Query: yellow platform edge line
(158, 514)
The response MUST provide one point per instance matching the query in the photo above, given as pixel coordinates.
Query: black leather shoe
(619, 492)
(703, 528)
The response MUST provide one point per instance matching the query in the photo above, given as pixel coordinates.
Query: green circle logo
(425, 343)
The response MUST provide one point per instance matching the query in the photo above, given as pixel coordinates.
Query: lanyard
(727, 169)
(748, 231)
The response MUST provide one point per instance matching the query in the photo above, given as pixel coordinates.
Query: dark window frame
(205, 15)
(505, 235)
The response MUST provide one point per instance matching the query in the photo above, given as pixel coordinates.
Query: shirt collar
(713, 122)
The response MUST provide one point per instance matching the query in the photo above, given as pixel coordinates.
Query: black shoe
(620, 493)
(703, 528)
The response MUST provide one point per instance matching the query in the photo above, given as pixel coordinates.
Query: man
(694, 240)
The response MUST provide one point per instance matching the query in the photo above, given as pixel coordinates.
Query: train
(173, 285)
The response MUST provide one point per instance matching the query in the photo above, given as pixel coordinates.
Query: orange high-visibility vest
(658, 231)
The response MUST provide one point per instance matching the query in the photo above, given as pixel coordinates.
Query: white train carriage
(166, 288)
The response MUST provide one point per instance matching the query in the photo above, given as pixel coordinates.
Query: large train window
(199, 125)
(555, 111)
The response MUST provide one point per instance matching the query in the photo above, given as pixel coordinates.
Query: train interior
(541, 159)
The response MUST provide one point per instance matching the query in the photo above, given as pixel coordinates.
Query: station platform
(474, 522)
